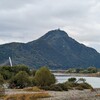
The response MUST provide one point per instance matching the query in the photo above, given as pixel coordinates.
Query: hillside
(55, 49)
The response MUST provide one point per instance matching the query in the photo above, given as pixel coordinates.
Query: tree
(44, 77)
(18, 68)
(21, 80)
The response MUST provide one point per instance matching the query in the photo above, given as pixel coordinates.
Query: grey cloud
(25, 20)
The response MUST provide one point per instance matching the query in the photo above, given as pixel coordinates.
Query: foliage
(55, 87)
(72, 80)
(82, 70)
(32, 72)
(18, 68)
(7, 72)
(2, 91)
(63, 86)
(44, 77)
(85, 86)
(21, 80)
(82, 80)
(70, 85)
(92, 69)
(1, 80)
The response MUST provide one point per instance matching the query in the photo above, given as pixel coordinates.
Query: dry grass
(33, 89)
(97, 95)
(2, 96)
(27, 96)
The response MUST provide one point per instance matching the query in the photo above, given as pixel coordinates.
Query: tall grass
(27, 96)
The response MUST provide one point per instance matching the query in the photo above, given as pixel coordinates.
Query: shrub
(72, 80)
(21, 80)
(55, 87)
(1, 80)
(63, 86)
(79, 88)
(82, 80)
(33, 71)
(44, 77)
(33, 81)
(45, 87)
(85, 86)
(70, 85)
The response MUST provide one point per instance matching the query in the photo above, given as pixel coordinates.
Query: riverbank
(77, 74)
(74, 95)
(63, 95)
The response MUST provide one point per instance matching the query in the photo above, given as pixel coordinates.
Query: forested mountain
(55, 49)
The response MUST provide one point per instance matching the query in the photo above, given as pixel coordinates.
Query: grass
(33, 89)
(97, 95)
(2, 96)
(31, 96)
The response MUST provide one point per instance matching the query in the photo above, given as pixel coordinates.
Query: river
(93, 81)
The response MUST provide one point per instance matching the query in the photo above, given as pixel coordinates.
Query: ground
(64, 95)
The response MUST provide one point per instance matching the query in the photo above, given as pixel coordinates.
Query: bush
(21, 80)
(33, 81)
(44, 77)
(45, 87)
(1, 80)
(63, 86)
(79, 88)
(86, 86)
(82, 80)
(72, 80)
(55, 87)
(70, 85)
(32, 72)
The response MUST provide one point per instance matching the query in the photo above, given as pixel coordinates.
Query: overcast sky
(27, 20)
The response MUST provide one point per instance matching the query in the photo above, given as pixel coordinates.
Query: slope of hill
(55, 49)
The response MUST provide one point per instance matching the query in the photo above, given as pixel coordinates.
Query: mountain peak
(54, 34)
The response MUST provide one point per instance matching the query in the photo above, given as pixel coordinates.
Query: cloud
(26, 20)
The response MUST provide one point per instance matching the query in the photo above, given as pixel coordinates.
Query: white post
(10, 61)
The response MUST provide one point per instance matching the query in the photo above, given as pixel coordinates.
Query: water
(94, 81)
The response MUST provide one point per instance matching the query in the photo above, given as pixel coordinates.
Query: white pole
(10, 61)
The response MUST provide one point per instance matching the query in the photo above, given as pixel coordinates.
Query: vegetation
(28, 96)
(82, 80)
(33, 89)
(32, 80)
(7, 72)
(1, 80)
(82, 70)
(72, 80)
(20, 80)
(44, 77)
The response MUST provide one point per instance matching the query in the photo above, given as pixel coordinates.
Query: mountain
(55, 49)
